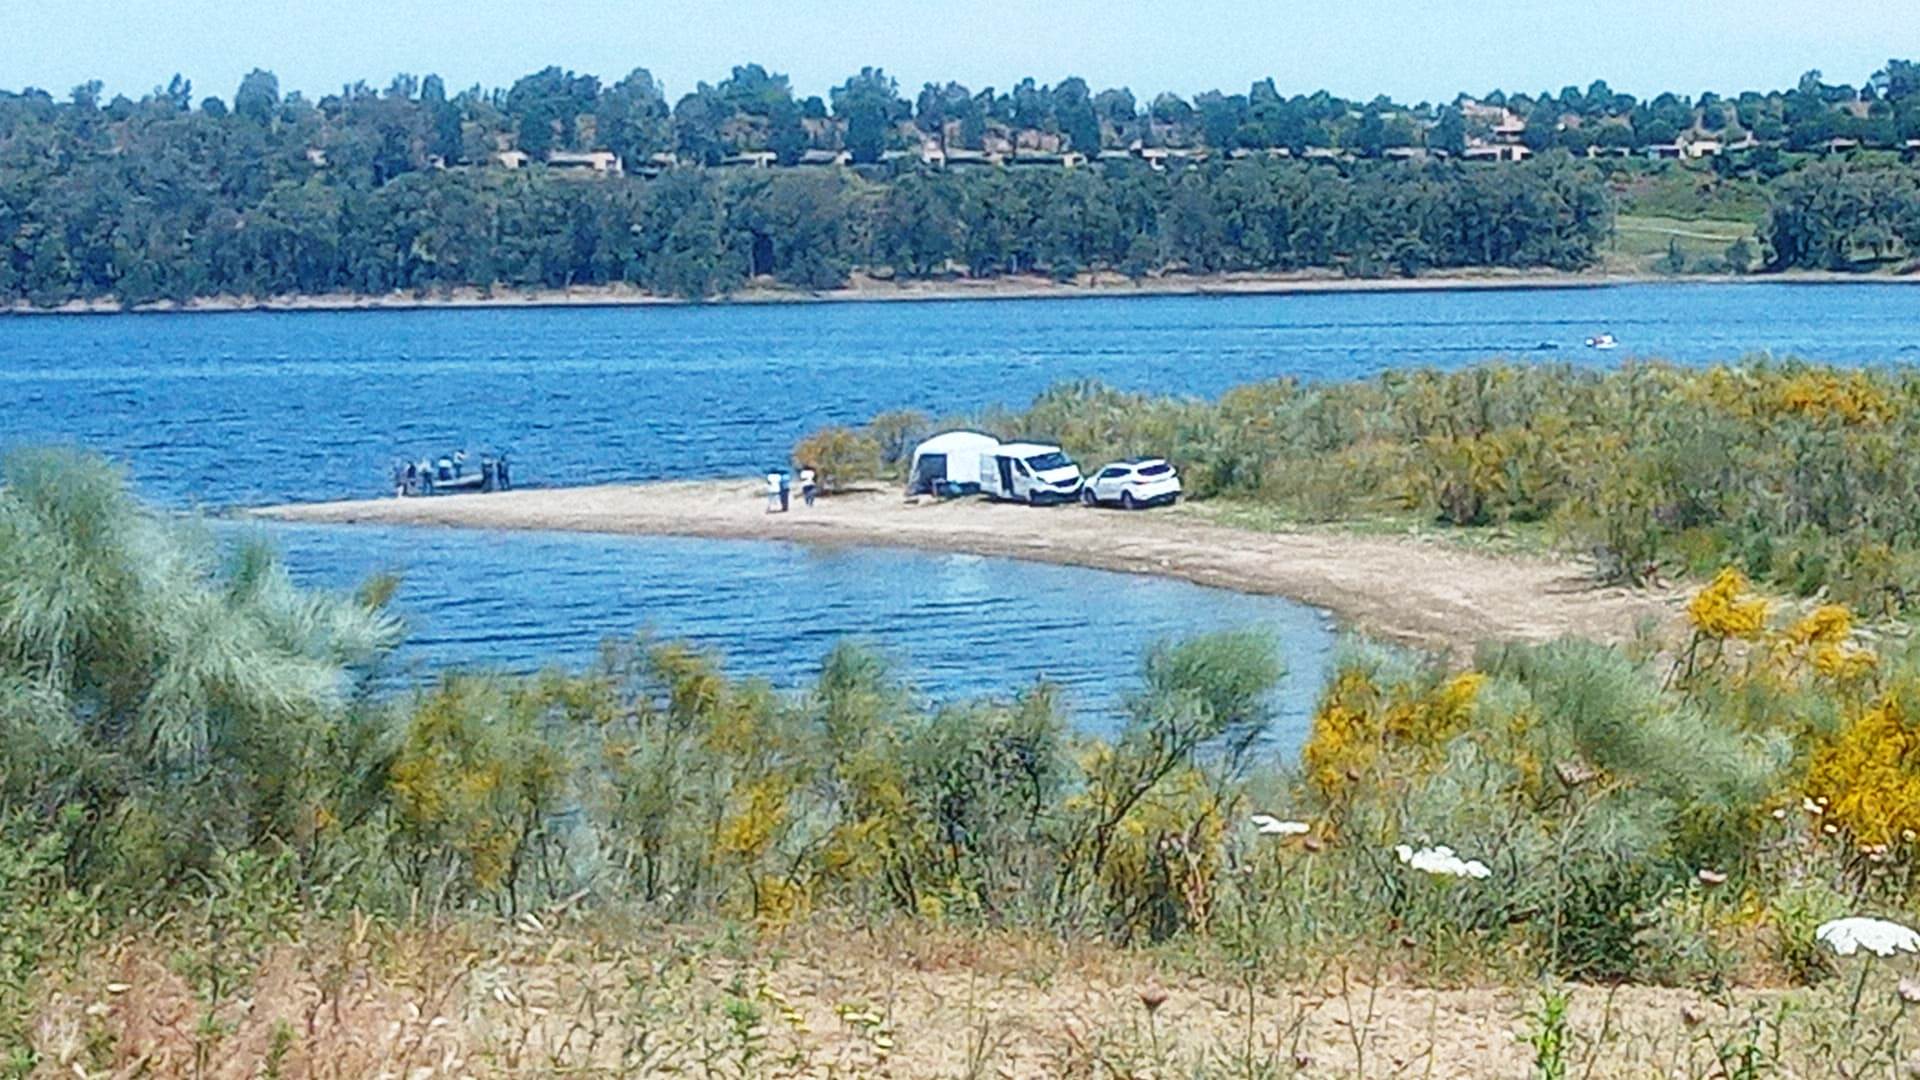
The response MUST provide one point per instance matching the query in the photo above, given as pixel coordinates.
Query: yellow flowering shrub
(1828, 622)
(1823, 640)
(879, 829)
(1465, 476)
(1160, 872)
(1869, 773)
(1727, 609)
(1725, 389)
(778, 901)
(760, 810)
(1356, 720)
(1844, 662)
(736, 730)
(1342, 738)
(1445, 711)
(839, 456)
(1850, 397)
(470, 780)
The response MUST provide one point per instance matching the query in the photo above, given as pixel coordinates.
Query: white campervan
(949, 464)
(1032, 473)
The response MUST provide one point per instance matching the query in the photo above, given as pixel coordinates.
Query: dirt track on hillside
(1415, 590)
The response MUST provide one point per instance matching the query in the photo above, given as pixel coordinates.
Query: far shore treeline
(561, 181)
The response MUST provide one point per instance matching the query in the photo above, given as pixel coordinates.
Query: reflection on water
(956, 624)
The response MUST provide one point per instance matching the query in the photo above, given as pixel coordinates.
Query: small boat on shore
(451, 474)
(1602, 341)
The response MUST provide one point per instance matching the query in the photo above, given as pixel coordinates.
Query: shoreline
(1416, 591)
(1030, 287)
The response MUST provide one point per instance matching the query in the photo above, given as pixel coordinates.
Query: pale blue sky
(1411, 51)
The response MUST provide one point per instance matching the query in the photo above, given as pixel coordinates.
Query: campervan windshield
(1049, 461)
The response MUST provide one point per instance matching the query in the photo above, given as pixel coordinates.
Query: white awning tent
(949, 463)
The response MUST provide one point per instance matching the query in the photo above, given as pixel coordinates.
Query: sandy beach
(861, 289)
(1419, 591)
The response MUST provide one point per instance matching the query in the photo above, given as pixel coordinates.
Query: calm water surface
(255, 408)
(957, 625)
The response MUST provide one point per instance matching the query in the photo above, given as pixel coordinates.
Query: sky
(1408, 50)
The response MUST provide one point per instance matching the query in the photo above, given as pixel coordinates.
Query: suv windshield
(1049, 461)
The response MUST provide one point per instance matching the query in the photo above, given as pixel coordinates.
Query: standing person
(786, 489)
(807, 486)
(774, 492)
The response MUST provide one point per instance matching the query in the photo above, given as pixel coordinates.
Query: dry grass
(578, 999)
(1640, 242)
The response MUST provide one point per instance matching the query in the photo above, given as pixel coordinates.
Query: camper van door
(996, 476)
(929, 474)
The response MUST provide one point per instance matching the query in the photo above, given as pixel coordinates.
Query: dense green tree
(400, 188)
(919, 225)
(258, 96)
(633, 119)
(698, 123)
(1449, 132)
(1117, 109)
(1220, 116)
(1073, 111)
(869, 103)
(1836, 216)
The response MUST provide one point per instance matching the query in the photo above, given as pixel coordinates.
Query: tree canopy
(413, 188)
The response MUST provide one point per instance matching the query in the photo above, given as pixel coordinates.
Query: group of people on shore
(450, 473)
(780, 489)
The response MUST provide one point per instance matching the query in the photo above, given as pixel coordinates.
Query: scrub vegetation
(1802, 475)
(222, 853)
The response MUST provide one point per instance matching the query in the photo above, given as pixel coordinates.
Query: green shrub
(1806, 474)
(840, 457)
(181, 700)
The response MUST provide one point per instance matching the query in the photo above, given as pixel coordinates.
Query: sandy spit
(1422, 592)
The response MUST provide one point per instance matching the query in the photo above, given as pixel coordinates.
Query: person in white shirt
(807, 486)
(774, 490)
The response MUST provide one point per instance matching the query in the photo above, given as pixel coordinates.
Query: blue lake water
(955, 625)
(253, 408)
(231, 410)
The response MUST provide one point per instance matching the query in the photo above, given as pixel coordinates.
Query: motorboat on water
(1603, 341)
(452, 474)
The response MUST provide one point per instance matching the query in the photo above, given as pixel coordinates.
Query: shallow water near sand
(954, 625)
(232, 410)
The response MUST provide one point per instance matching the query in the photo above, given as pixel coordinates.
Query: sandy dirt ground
(887, 1002)
(860, 288)
(1423, 592)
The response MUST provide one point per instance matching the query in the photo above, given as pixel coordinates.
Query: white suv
(1133, 484)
